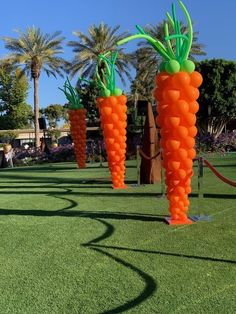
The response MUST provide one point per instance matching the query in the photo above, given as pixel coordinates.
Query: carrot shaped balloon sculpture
(176, 94)
(77, 117)
(112, 107)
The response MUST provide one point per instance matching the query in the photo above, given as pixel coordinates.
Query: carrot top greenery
(105, 74)
(72, 95)
(175, 59)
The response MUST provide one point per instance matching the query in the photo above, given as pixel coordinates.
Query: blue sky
(215, 21)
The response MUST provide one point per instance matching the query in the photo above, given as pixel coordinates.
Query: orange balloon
(122, 99)
(172, 144)
(171, 95)
(193, 106)
(196, 79)
(186, 202)
(188, 190)
(158, 94)
(160, 121)
(181, 107)
(172, 121)
(190, 119)
(160, 78)
(109, 140)
(173, 165)
(116, 146)
(179, 190)
(181, 79)
(181, 173)
(108, 127)
(192, 131)
(189, 142)
(191, 153)
(181, 132)
(122, 132)
(181, 153)
(190, 93)
(114, 117)
(113, 101)
(187, 163)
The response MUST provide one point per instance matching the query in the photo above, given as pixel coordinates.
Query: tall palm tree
(99, 40)
(149, 60)
(35, 52)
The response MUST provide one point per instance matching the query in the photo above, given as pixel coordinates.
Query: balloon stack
(77, 117)
(176, 94)
(113, 108)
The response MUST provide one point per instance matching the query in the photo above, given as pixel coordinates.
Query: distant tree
(54, 113)
(217, 95)
(100, 39)
(8, 137)
(89, 93)
(36, 52)
(15, 113)
(54, 134)
(143, 84)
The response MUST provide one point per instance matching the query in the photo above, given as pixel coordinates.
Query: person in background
(8, 151)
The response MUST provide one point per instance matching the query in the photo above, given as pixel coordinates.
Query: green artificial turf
(69, 243)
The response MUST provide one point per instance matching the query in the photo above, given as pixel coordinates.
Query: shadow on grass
(150, 283)
(83, 214)
(149, 289)
(56, 180)
(112, 193)
(204, 258)
(211, 195)
(221, 165)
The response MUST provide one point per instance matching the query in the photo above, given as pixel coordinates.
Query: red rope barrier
(141, 152)
(224, 179)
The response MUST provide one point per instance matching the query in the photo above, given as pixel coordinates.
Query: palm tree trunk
(36, 113)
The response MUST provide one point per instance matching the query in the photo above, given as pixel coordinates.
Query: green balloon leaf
(106, 92)
(187, 66)
(172, 66)
(117, 92)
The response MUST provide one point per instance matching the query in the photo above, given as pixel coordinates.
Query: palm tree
(99, 40)
(35, 52)
(149, 60)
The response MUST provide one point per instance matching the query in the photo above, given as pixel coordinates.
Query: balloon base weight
(171, 221)
(201, 218)
(120, 187)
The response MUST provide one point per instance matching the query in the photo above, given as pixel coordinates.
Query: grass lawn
(69, 243)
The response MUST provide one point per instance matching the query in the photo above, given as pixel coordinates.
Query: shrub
(223, 143)
(27, 157)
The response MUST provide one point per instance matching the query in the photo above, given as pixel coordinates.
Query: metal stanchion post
(92, 152)
(100, 153)
(200, 184)
(199, 216)
(163, 184)
(138, 160)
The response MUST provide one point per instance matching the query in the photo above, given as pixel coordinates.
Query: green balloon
(117, 92)
(187, 66)
(106, 93)
(172, 66)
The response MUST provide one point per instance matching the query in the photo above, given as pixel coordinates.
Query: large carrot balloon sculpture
(77, 117)
(112, 107)
(176, 94)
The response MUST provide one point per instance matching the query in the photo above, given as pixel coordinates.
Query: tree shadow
(149, 289)
(150, 283)
(211, 195)
(84, 214)
(204, 258)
